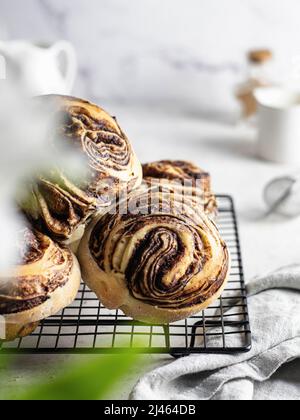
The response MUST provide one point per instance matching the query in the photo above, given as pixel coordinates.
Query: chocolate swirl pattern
(184, 178)
(46, 280)
(161, 263)
(59, 205)
(108, 151)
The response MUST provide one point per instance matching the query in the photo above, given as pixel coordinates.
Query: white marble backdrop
(183, 54)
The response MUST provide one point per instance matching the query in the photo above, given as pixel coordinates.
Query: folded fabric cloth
(274, 307)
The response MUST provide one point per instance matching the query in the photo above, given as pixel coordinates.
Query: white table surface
(228, 153)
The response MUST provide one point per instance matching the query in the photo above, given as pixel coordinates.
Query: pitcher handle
(65, 49)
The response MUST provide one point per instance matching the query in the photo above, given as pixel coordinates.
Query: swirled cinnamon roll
(46, 280)
(160, 262)
(184, 178)
(60, 205)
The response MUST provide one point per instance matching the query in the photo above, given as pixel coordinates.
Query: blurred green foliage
(92, 379)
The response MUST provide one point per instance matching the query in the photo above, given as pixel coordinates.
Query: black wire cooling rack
(87, 327)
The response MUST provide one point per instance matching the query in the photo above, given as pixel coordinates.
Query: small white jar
(278, 125)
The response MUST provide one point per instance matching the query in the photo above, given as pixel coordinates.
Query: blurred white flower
(25, 149)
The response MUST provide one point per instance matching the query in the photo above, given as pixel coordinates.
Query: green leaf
(91, 380)
(4, 361)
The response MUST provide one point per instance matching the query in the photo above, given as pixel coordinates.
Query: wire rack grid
(87, 327)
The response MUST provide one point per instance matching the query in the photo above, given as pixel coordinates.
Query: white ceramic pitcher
(279, 124)
(40, 69)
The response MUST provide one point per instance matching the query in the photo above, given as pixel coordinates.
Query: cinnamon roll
(184, 178)
(60, 206)
(160, 262)
(46, 280)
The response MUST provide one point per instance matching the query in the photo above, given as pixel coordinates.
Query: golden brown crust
(46, 280)
(14, 331)
(109, 153)
(59, 205)
(184, 178)
(175, 170)
(161, 263)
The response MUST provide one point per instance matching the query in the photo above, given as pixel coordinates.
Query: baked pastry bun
(184, 178)
(160, 262)
(45, 281)
(59, 205)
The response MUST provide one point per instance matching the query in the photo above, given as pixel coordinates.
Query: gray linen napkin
(274, 306)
